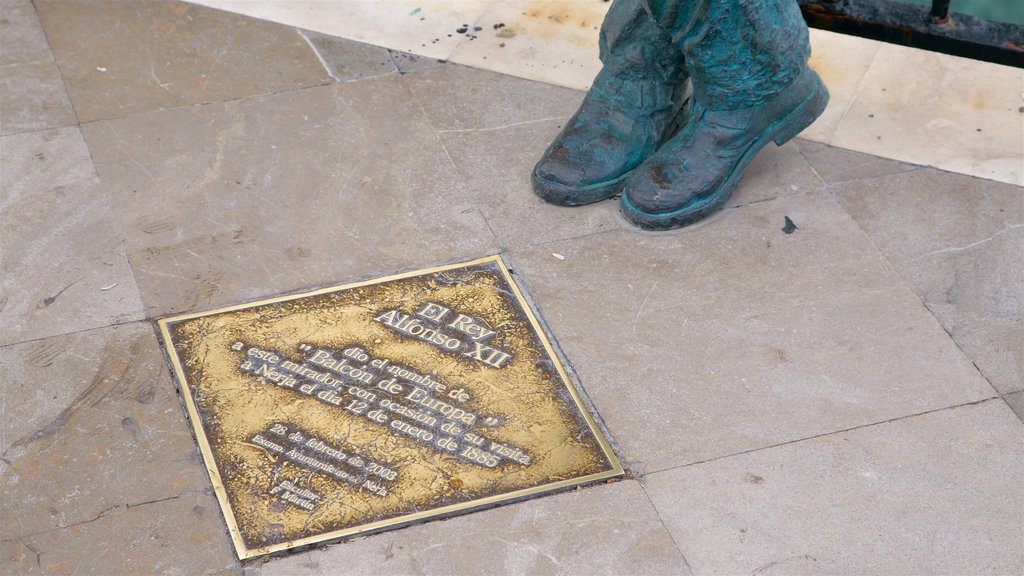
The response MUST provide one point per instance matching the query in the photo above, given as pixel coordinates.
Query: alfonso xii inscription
(379, 403)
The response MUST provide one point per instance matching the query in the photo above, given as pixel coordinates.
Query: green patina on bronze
(690, 91)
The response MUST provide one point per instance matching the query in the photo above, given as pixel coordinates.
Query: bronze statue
(673, 163)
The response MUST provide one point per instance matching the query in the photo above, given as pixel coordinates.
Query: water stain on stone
(753, 478)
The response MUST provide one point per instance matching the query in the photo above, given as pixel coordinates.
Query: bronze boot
(696, 172)
(629, 110)
(751, 86)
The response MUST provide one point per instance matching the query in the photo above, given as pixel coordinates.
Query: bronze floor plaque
(379, 403)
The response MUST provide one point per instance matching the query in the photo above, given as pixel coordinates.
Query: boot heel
(805, 114)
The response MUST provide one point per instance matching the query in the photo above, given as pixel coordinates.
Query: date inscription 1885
(380, 403)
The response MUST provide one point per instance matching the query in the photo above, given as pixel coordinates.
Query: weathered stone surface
(219, 205)
(406, 62)
(1016, 402)
(835, 165)
(32, 94)
(348, 59)
(461, 98)
(933, 494)
(32, 97)
(959, 242)
(120, 58)
(733, 336)
(21, 38)
(111, 437)
(177, 536)
(609, 529)
(933, 109)
(496, 166)
(64, 267)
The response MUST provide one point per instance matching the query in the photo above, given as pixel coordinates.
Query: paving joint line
(824, 434)
(661, 520)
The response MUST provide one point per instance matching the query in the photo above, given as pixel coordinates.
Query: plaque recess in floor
(379, 403)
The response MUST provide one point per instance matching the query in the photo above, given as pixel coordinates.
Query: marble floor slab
(221, 206)
(32, 93)
(414, 26)
(841, 61)
(932, 494)
(109, 438)
(347, 60)
(120, 58)
(735, 336)
(178, 536)
(21, 37)
(952, 113)
(548, 41)
(32, 97)
(959, 242)
(64, 267)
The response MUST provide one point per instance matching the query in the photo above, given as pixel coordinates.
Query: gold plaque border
(218, 485)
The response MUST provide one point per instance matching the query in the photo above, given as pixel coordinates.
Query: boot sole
(781, 131)
(563, 195)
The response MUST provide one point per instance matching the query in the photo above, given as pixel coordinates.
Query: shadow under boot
(634, 103)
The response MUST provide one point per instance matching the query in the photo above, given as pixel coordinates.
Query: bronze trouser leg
(629, 109)
(635, 47)
(739, 53)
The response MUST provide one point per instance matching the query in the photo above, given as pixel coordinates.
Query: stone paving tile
(21, 38)
(120, 58)
(842, 61)
(1016, 402)
(903, 109)
(240, 200)
(610, 529)
(32, 97)
(64, 267)
(427, 28)
(180, 536)
(496, 165)
(406, 62)
(835, 165)
(462, 98)
(732, 335)
(105, 432)
(350, 60)
(959, 242)
(552, 41)
(32, 94)
(938, 493)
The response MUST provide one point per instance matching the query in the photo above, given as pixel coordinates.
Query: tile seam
(319, 56)
(994, 397)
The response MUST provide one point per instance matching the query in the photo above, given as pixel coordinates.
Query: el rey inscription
(376, 404)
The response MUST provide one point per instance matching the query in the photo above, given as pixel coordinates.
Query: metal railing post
(940, 11)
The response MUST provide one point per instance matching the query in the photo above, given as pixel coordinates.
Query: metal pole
(940, 11)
